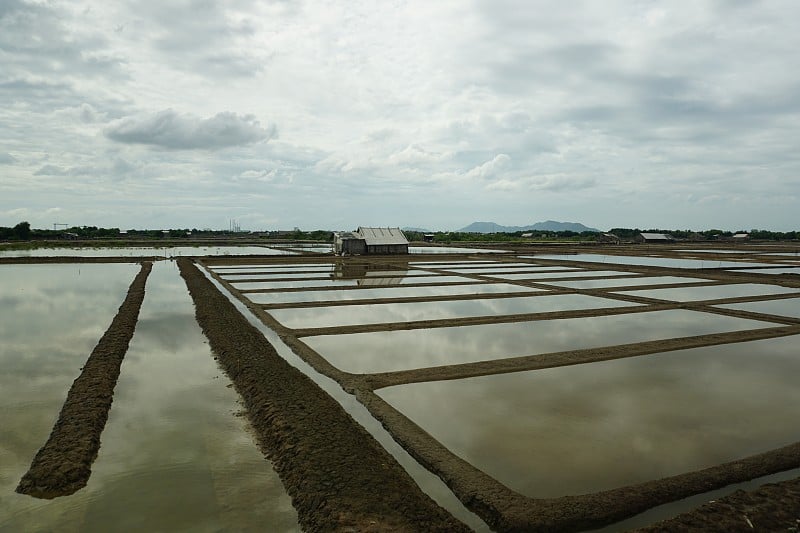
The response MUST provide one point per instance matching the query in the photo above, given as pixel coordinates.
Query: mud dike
(339, 477)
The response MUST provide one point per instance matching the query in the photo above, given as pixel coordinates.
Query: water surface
(348, 315)
(603, 283)
(404, 350)
(786, 307)
(174, 457)
(591, 427)
(387, 292)
(711, 292)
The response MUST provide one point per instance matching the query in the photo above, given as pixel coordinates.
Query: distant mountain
(548, 225)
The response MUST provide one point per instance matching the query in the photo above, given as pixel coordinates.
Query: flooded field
(649, 394)
(167, 251)
(173, 455)
(646, 417)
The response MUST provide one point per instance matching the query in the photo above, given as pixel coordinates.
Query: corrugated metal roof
(378, 236)
(656, 236)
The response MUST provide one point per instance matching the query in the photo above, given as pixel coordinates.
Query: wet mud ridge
(771, 507)
(63, 465)
(339, 477)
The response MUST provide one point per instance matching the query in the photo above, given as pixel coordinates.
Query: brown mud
(339, 477)
(63, 465)
(771, 507)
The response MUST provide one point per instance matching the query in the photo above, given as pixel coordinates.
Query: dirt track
(63, 465)
(339, 477)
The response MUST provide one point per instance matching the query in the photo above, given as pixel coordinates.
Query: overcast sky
(323, 114)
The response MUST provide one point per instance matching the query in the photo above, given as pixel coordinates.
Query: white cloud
(490, 169)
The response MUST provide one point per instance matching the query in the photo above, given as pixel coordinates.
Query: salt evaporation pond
(167, 251)
(785, 307)
(389, 351)
(616, 282)
(349, 315)
(710, 292)
(591, 427)
(647, 261)
(428, 280)
(568, 274)
(173, 457)
(386, 292)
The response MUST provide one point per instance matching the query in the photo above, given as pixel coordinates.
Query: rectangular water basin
(569, 274)
(712, 292)
(603, 283)
(347, 315)
(404, 350)
(386, 292)
(591, 427)
(786, 307)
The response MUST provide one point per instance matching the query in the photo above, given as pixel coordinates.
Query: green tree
(22, 231)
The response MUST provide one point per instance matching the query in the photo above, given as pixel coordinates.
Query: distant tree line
(24, 232)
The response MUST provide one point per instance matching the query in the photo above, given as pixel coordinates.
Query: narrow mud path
(63, 465)
(339, 477)
(771, 507)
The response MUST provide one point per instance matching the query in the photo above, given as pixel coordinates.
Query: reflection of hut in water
(368, 275)
(370, 241)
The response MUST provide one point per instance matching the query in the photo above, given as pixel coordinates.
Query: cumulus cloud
(51, 170)
(490, 169)
(7, 159)
(174, 131)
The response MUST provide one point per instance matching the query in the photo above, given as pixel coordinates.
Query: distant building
(526, 235)
(608, 238)
(654, 238)
(370, 241)
(428, 237)
(740, 237)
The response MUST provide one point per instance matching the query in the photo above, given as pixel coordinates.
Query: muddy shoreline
(338, 476)
(64, 464)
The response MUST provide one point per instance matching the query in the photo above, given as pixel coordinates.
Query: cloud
(171, 130)
(7, 159)
(51, 170)
(490, 169)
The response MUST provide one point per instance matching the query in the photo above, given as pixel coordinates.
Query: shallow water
(452, 250)
(173, 457)
(405, 350)
(647, 261)
(791, 270)
(347, 315)
(387, 292)
(604, 283)
(711, 292)
(785, 307)
(618, 422)
(503, 269)
(166, 251)
(569, 274)
(366, 282)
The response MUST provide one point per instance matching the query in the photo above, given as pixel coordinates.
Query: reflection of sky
(508, 270)
(51, 317)
(166, 251)
(173, 456)
(601, 283)
(794, 270)
(451, 250)
(711, 292)
(574, 274)
(786, 307)
(386, 292)
(404, 350)
(647, 261)
(591, 427)
(344, 282)
(344, 315)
